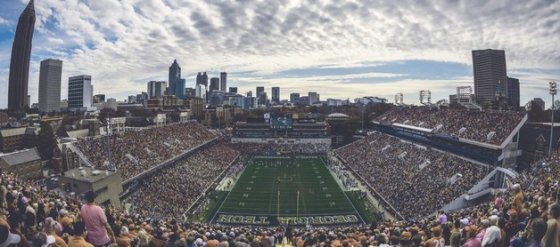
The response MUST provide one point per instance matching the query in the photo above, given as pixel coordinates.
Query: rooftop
(88, 174)
(20, 157)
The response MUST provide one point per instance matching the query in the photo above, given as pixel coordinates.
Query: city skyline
(340, 50)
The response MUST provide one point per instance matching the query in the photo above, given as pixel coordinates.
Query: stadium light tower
(553, 91)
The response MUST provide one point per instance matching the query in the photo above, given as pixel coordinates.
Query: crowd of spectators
(528, 214)
(136, 151)
(407, 175)
(169, 193)
(274, 148)
(473, 125)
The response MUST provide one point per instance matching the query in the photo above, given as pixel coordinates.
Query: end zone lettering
(270, 220)
(240, 219)
(318, 220)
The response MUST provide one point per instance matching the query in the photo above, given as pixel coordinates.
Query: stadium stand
(407, 175)
(491, 127)
(136, 151)
(170, 186)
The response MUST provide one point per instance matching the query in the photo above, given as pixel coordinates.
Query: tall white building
(80, 92)
(50, 79)
(313, 97)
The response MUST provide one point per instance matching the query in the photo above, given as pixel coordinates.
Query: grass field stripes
(281, 191)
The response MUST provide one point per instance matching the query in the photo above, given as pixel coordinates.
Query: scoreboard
(281, 123)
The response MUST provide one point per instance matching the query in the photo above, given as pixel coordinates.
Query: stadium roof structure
(20, 157)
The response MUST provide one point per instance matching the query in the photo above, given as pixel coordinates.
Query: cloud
(122, 44)
(4, 22)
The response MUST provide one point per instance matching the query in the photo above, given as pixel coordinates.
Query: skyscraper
(490, 75)
(276, 95)
(202, 78)
(80, 92)
(50, 78)
(174, 77)
(513, 92)
(260, 90)
(223, 81)
(261, 96)
(19, 63)
(214, 84)
(233, 89)
(294, 98)
(313, 97)
(156, 89)
(180, 89)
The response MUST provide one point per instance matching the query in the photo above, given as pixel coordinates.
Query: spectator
(472, 240)
(78, 238)
(123, 239)
(552, 235)
(518, 198)
(538, 229)
(6, 237)
(437, 240)
(99, 231)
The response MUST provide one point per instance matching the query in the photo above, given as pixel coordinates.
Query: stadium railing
(83, 157)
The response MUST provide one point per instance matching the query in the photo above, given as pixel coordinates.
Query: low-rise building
(18, 138)
(106, 184)
(25, 163)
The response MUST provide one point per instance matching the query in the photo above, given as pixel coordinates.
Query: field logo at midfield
(285, 178)
(274, 221)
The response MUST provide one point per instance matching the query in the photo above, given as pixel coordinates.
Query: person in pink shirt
(99, 231)
(472, 241)
(499, 202)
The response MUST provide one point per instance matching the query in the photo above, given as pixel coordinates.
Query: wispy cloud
(4, 21)
(123, 43)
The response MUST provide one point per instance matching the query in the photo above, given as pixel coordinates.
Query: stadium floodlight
(552, 91)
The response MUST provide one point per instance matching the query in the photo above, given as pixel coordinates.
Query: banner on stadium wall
(267, 220)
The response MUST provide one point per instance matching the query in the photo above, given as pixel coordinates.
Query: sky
(339, 48)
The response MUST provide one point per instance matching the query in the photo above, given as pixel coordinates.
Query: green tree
(46, 141)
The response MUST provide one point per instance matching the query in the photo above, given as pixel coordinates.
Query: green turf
(269, 187)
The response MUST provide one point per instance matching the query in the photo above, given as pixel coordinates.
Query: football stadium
(413, 176)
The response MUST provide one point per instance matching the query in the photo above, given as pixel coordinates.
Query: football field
(286, 191)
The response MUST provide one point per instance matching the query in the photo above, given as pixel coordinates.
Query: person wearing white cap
(6, 237)
(45, 240)
(123, 238)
